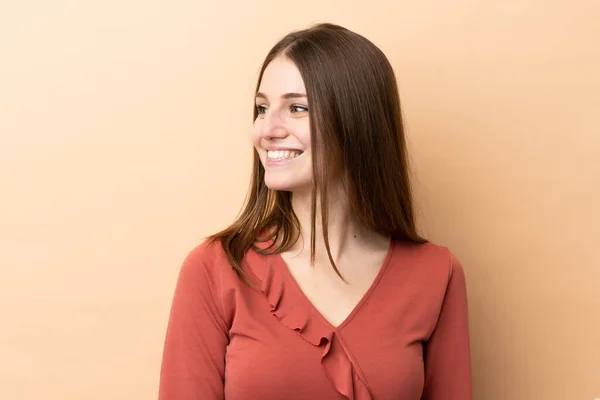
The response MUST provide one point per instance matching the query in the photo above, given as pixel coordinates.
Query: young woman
(322, 288)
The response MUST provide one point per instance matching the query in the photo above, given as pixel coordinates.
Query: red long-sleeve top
(407, 338)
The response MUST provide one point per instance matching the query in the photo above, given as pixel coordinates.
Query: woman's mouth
(280, 155)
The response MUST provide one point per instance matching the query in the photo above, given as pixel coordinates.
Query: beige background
(123, 141)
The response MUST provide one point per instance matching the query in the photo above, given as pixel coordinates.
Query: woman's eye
(296, 108)
(261, 109)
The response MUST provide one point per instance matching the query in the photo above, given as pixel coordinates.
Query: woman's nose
(273, 126)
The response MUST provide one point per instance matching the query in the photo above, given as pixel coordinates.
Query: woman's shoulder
(429, 257)
(210, 259)
(206, 249)
(432, 269)
(205, 260)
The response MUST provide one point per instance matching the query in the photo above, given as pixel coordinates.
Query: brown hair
(355, 118)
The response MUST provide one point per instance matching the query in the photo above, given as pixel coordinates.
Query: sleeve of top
(193, 363)
(447, 354)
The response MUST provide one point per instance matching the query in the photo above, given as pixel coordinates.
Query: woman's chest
(267, 360)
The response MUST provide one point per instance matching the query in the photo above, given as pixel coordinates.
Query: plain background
(124, 140)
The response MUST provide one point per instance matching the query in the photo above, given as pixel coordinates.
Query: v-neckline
(282, 265)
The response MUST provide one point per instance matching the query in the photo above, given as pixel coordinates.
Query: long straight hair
(355, 126)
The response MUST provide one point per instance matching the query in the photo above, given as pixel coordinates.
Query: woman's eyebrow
(260, 95)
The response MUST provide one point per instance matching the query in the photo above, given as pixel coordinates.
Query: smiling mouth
(276, 155)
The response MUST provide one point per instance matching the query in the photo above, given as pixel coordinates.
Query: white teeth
(282, 154)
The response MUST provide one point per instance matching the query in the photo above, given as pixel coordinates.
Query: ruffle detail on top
(292, 313)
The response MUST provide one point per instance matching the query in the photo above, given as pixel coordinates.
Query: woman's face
(281, 133)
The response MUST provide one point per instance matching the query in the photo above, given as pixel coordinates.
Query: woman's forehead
(281, 76)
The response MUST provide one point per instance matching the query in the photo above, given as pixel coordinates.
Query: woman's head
(353, 124)
(327, 111)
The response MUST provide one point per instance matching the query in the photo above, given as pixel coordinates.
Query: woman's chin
(282, 187)
(286, 186)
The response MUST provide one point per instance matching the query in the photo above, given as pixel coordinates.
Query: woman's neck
(345, 233)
